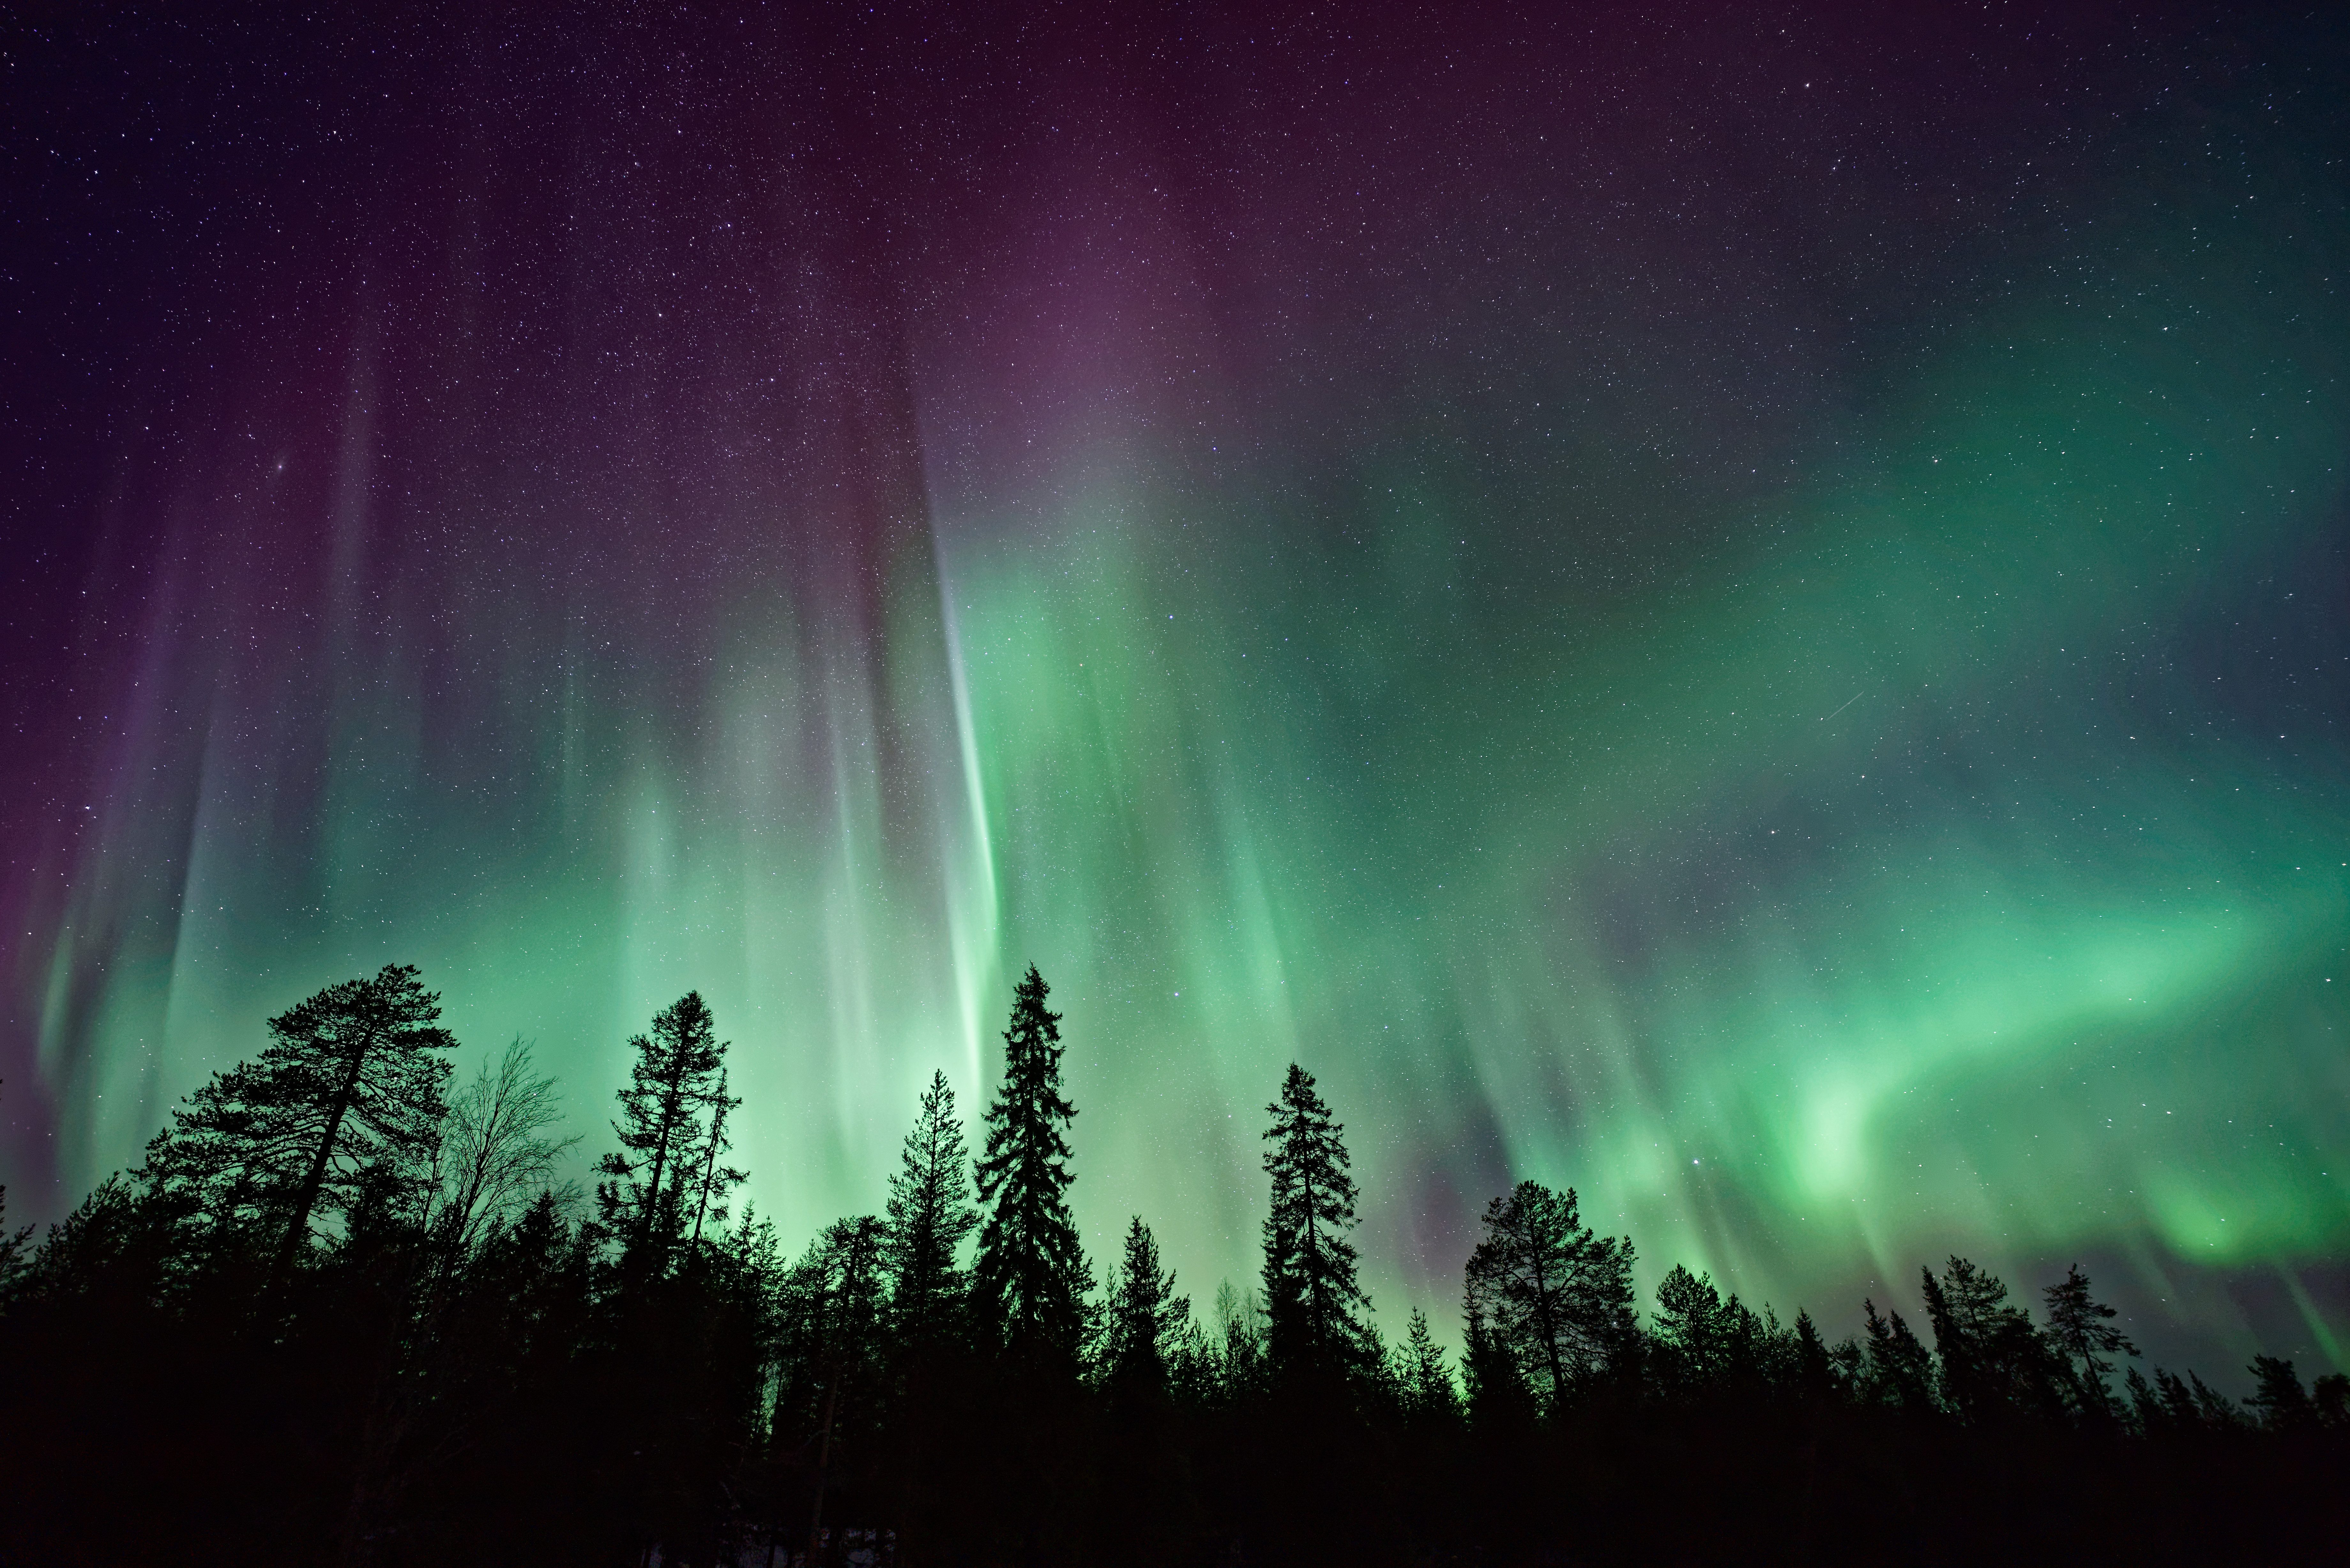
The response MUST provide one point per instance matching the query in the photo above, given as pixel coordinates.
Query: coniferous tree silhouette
(347, 1096)
(1237, 1342)
(2146, 1416)
(2214, 1409)
(2282, 1403)
(2079, 1326)
(832, 1354)
(929, 1217)
(1493, 1384)
(1143, 1491)
(676, 1079)
(1144, 1321)
(454, 1309)
(1426, 1382)
(1029, 1286)
(1815, 1371)
(714, 1181)
(1701, 1338)
(1312, 1299)
(1992, 1357)
(1901, 1369)
(1555, 1298)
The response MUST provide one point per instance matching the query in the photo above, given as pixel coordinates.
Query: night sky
(1738, 608)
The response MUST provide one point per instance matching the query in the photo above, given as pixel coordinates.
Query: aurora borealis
(1739, 610)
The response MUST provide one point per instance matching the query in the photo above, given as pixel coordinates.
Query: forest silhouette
(346, 1311)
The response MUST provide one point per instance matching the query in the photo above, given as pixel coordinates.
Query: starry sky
(1737, 608)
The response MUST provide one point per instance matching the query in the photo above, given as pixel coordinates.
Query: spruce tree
(1312, 1299)
(1814, 1367)
(931, 1216)
(1029, 1286)
(346, 1097)
(1146, 1320)
(1553, 1294)
(1493, 1383)
(1900, 1367)
(832, 1317)
(677, 1078)
(2079, 1329)
(1426, 1382)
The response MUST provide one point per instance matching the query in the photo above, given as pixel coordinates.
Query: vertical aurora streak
(1747, 620)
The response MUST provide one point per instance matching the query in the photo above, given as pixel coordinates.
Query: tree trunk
(316, 1182)
(1549, 1327)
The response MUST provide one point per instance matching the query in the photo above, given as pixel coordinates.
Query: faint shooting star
(1847, 702)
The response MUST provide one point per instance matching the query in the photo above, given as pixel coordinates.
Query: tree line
(346, 1310)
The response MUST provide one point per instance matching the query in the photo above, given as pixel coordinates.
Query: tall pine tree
(677, 1078)
(2080, 1329)
(1312, 1299)
(1029, 1286)
(346, 1100)
(931, 1216)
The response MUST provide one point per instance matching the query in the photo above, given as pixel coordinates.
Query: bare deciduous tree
(495, 1156)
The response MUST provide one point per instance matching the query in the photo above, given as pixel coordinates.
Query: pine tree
(347, 1095)
(1030, 1282)
(1691, 1329)
(1556, 1296)
(1312, 1298)
(676, 1078)
(2079, 1329)
(1146, 1321)
(715, 1180)
(931, 1216)
(2282, 1403)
